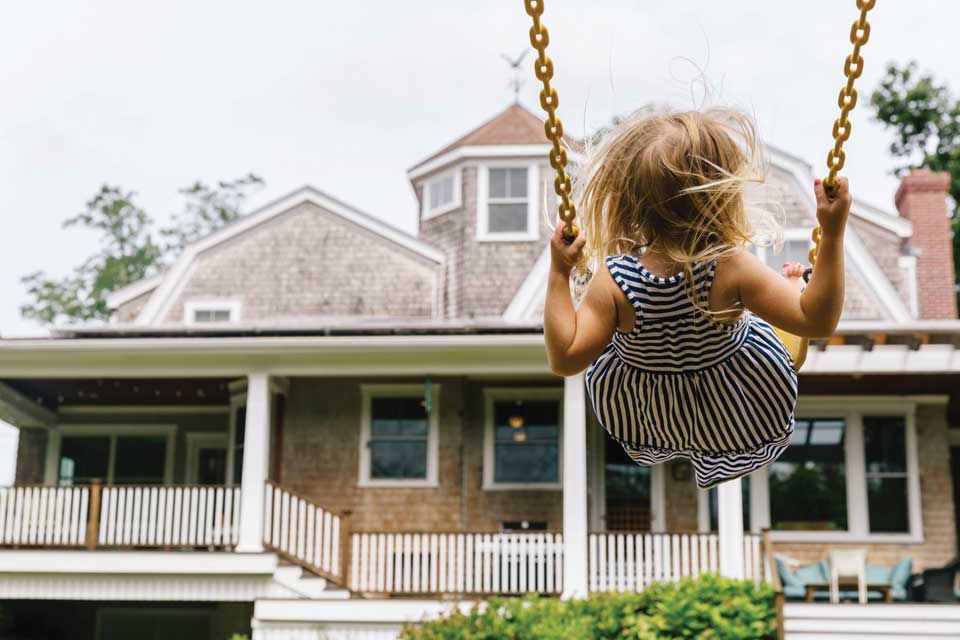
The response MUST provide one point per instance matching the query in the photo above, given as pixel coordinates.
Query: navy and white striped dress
(683, 385)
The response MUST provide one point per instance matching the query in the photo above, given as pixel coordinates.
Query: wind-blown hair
(674, 182)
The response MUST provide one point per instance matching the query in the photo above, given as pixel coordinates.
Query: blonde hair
(674, 182)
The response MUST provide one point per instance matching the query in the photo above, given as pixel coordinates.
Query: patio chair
(848, 563)
(938, 585)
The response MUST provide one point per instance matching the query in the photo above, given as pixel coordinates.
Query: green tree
(207, 209)
(925, 119)
(128, 251)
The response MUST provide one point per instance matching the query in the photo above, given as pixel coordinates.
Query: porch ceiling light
(515, 422)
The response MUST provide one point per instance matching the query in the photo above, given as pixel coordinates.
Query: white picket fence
(303, 531)
(457, 563)
(159, 516)
(38, 515)
(630, 561)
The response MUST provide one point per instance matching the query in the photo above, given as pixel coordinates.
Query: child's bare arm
(816, 312)
(575, 337)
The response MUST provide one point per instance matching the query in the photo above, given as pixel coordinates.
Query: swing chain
(553, 127)
(842, 127)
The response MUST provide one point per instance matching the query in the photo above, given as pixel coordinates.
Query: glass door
(627, 488)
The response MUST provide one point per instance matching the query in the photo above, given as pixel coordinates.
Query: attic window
(213, 311)
(796, 246)
(441, 193)
(507, 195)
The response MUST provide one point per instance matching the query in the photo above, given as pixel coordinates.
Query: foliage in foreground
(709, 607)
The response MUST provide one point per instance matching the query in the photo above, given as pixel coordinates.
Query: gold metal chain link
(552, 127)
(852, 69)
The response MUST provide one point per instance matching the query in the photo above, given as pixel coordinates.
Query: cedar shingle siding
(308, 263)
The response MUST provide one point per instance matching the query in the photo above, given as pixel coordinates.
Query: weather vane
(516, 83)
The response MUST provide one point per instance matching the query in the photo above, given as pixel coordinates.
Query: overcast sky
(346, 95)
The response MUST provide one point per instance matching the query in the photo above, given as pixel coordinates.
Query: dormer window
(211, 311)
(441, 193)
(506, 201)
(796, 247)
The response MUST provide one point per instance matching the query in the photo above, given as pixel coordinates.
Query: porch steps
(306, 584)
(822, 621)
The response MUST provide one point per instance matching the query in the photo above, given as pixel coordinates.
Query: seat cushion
(818, 572)
(899, 577)
(877, 573)
(788, 578)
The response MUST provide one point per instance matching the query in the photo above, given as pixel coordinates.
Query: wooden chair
(845, 564)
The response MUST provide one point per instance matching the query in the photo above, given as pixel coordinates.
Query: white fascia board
(530, 291)
(133, 290)
(479, 151)
(137, 562)
(802, 172)
(160, 302)
(877, 282)
(391, 610)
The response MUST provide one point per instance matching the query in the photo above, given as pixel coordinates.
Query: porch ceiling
(54, 393)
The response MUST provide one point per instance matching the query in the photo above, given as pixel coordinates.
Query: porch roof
(392, 347)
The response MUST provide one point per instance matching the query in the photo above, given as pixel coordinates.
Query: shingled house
(266, 433)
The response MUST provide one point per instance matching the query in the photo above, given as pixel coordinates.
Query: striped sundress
(684, 385)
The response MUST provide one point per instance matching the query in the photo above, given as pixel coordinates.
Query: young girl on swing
(675, 328)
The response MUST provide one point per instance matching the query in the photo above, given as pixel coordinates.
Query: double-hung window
(522, 439)
(398, 436)
(115, 455)
(507, 199)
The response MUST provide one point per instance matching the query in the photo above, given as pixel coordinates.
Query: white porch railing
(457, 563)
(44, 516)
(169, 516)
(304, 532)
(630, 561)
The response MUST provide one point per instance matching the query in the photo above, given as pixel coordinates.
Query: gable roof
(173, 279)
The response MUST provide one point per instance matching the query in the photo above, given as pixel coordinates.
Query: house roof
(172, 279)
(515, 125)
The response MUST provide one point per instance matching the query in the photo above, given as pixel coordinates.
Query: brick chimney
(922, 199)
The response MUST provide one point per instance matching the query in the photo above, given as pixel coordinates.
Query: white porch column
(730, 525)
(575, 519)
(256, 462)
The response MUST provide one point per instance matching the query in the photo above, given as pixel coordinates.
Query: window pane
(508, 183)
(507, 218)
(140, 460)
(793, 251)
(498, 183)
(84, 459)
(398, 417)
(808, 484)
(441, 192)
(887, 500)
(885, 444)
(221, 315)
(398, 460)
(525, 463)
(526, 434)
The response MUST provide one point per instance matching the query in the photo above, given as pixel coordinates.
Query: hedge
(708, 607)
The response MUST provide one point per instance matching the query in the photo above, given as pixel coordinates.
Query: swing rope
(836, 158)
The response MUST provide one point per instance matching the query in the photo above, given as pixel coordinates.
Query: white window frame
(426, 213)
(370, 391)
(493, 394)
(197, 440)
(852, 409)
(789, 235)
(94, 430)
(533, 202)
(190, 308)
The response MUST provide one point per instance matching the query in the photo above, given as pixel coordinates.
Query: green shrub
(710, 607)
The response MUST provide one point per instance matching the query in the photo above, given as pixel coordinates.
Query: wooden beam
(22, 412)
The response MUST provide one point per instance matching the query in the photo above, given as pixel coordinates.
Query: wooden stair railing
(302, 532)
